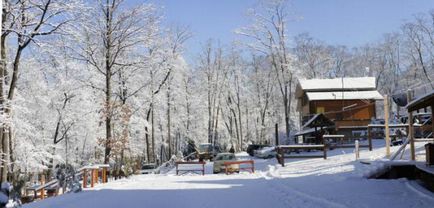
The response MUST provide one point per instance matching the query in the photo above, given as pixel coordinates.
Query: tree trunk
(169, 138)
(5, 157)
(108, 92)
(215, 135)
(148, 148)
(3, 168)
(153, 134)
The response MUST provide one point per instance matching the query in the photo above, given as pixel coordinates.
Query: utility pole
(386, 125)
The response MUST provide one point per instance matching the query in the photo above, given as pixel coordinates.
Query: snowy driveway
(335, 182)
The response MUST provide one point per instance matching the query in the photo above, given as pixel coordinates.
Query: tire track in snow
(288, 193)
(291, 195)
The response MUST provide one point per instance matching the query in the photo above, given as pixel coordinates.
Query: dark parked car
(252, 147)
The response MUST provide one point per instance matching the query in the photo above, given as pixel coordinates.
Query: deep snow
(339, 181)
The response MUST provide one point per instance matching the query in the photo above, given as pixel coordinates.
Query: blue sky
(344, 22)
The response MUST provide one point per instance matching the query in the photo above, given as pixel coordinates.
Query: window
(320, 110)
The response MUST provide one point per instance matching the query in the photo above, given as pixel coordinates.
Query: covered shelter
(423, 102)
(310, 128)
(318, 120)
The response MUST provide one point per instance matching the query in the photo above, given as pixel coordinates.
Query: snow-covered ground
(339, 181)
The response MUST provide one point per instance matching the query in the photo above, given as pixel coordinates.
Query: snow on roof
(354, 95)
(346, 83)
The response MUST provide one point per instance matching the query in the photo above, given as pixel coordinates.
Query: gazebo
(317, 122)
(421, 103)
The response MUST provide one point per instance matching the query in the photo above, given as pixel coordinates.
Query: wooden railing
(281, 148)
(97, 173)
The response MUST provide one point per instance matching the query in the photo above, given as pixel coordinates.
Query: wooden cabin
(345, 101)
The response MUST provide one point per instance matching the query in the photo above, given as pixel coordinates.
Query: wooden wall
(362, 111)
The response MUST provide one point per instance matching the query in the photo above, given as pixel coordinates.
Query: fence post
(84, 178)
(92, 177)
(357, 150)
(369, 138)
(325, 152)
(276, 126)
(324, 148)
(281, 157)
(411, 128)
(104, 175)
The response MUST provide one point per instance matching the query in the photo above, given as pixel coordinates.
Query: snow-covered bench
(291, 148)
(191, 167)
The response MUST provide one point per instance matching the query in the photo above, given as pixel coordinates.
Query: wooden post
(104, 174)
(84, 178)
(357, 150)
(411, 128)
(324, 148)
(276, 126)
(281, 158)
(432, 120)
(42, 192)
(92, 177)
(411, 135)
(386, 125)
(325, 152)
(42, 189)
(96, 175)
(369, 138)
(99, 176)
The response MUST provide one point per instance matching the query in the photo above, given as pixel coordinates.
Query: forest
(106, 82)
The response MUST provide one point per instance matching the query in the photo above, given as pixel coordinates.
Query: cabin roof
(336, 84)
(422, 102)
(350, 95)
(318, 120)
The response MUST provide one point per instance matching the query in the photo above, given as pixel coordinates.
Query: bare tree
(420, 44)
(269, 33)
(112, 33)
(24, 22)
(313, 56)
